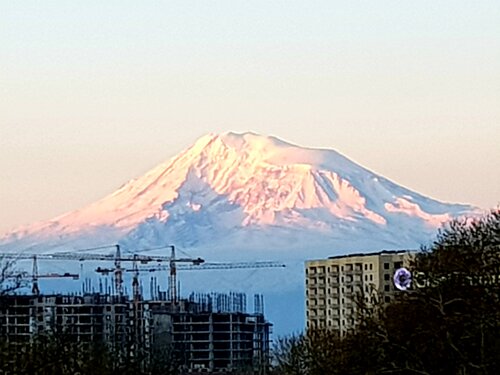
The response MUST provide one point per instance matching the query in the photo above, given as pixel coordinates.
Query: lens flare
(402, 279)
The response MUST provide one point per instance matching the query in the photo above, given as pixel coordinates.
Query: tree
(450, 324)
(11, 279)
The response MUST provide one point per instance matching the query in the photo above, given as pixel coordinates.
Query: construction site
(209, 332)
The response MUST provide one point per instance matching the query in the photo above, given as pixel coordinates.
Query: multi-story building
(334, 285)
(212, 333)
(212, 337)
(90, 318)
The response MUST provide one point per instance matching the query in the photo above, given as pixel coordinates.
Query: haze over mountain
(248, 192)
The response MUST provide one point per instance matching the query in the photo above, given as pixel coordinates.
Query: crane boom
(227, 266)
(205, 266)
(50, 275)
(83, 257)
(117, 258)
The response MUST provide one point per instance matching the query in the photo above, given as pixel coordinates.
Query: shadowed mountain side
(246, 197)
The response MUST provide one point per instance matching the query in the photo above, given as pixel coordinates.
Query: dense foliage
(60, 355)
(450, 326)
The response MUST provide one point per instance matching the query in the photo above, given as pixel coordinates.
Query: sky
(95, 93)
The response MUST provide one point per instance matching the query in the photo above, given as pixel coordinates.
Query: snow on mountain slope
(248, 187)
(246, 197)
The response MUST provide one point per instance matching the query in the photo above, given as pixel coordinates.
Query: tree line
(448, 327)
(58, 354)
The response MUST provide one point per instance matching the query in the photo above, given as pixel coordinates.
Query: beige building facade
(333, 286)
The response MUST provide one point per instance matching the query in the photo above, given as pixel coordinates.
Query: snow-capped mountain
(246, 197)
(246, 191)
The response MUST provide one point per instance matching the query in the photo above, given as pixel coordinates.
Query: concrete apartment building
(212, 332)
(89, 318)
(333, 284)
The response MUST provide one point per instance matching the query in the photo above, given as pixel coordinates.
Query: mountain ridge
(236, 182)
(245, 197)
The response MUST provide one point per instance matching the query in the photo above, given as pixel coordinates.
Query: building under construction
(210, 332)
(207, 332)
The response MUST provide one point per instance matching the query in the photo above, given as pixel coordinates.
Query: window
(398, 265)
(387, 277)
(386, 266)
(387, 288)
(387, 299)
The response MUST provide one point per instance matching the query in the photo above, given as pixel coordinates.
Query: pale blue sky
(93, 93)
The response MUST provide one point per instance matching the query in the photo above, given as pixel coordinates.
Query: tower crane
(172, 267)
(35, 276)
(117, 258)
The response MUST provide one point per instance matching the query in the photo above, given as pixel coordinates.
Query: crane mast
(34, 285)
(118, 272)
(164, 263)
(172, 278)
(117, 258)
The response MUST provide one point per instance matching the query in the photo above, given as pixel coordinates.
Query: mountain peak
(267, 149)
(246, 184)
(253, 140)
